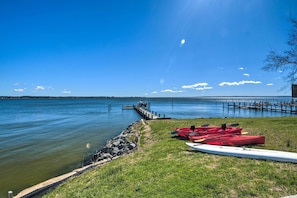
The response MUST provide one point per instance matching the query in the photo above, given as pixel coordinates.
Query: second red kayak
(228, 140)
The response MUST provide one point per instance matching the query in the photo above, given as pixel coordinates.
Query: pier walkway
(143, 109)
(146, 114)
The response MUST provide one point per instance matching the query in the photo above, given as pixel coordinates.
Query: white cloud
(170, 91)
(239, 83)
(203, 88)
(241, 68)
(182, 42)
(194, 85)
(154, 92)
(197, 86)
(66, 91)
(19, 90)
(269, 84)
(247, 75)
(39, 88)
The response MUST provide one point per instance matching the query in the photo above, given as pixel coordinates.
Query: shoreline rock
(125, 143)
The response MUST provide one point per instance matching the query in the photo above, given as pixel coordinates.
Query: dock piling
(10, 194)
(265, 106)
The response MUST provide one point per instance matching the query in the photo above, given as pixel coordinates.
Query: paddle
(234, 124)
(200, 140)
(213, 137)
(173, 132)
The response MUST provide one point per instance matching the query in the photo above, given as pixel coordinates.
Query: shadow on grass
(179, 137)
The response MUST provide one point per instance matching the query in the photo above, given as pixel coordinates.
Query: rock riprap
(125, 143)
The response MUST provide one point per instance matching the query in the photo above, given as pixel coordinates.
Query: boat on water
(243, 152)
(228, 139)
(206, 130)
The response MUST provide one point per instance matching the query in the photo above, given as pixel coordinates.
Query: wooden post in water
(10, 194)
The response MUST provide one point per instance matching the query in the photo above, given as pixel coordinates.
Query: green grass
(166, 167)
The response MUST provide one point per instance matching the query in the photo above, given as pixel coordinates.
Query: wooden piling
(10, 194)
(265, 106)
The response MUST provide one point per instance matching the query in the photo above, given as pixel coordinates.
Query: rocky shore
(125, 143)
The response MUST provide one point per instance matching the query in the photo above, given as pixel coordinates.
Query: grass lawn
(165, 166)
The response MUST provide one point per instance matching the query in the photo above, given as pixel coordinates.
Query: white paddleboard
(281, 156)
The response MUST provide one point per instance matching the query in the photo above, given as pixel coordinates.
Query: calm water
(43, 138)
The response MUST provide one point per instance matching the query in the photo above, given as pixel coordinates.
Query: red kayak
(206, 130)
(184, 132)
(205, 138)
(229, 140)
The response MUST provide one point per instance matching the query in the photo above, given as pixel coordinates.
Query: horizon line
(3, 97)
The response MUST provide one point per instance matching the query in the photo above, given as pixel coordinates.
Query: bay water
(41, 138)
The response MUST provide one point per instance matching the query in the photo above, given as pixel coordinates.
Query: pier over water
(143, 109)
(285, 107)
(146, 114)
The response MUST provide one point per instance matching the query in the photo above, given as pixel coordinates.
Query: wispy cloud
(269, 84)
(154, 92)
(38, 88)
(19, 90)
(247, 75)
(241, 68)
(197, 86)
(194, 85)
(171, 91)
(203, 88)
(66, 91)
(239, 83)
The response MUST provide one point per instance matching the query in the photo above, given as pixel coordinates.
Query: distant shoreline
(59, 97)
(74, 97)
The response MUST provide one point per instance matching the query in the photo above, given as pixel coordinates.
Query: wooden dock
(143, 109)
(284, 107)
(146, 114)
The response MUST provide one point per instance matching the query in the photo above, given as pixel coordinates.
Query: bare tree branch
(287, 60)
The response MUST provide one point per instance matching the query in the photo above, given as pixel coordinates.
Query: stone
(118, 145)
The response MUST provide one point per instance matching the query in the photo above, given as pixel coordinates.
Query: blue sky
(152, 48)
